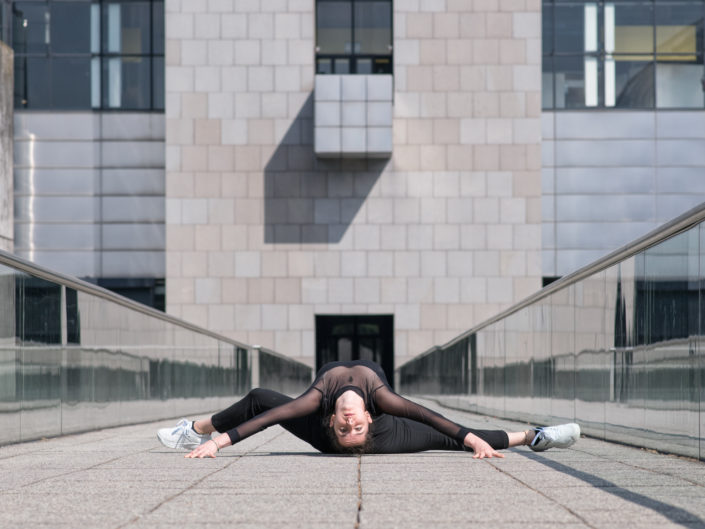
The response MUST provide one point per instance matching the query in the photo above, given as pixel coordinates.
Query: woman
(350, 407)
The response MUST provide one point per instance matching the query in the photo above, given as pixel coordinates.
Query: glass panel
(30, 27)
(363, 66)
(547, 83)
(679, 85)
(324, 66)
(71, 82)
(158, 86)
(382, 65)
(10, 379)
(127, 82)
(562, 385)
(571, 26)
(679, 30)
(158, 28)
(669, 302)
(373, 27)
(700, 350)
(547, 33)
(127, 28)
(334, 27)
(569, 82)
(70, 27)
(593, 359)
(634, 84)
(342, 66)
(32, 82)
(633, 28)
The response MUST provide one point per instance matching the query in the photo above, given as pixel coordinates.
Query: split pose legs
(389, 434)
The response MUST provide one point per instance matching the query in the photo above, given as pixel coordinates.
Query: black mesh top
(368, 379)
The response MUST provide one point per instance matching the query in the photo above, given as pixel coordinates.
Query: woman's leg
(257, 401)
(521, 438)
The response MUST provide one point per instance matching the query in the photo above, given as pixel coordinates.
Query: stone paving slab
(123, 478)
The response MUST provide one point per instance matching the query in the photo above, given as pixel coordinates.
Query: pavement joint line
(359, 492)
(651, 470)
(540, 493)
(237, 458)
(79, 470)
(666, 510)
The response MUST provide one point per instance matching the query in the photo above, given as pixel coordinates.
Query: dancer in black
(350, 407)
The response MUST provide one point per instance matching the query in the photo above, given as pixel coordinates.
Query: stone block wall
(262, 235)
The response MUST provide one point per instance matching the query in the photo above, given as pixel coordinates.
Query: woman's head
(350, 424)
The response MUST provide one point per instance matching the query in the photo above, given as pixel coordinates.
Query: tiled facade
(261, 235)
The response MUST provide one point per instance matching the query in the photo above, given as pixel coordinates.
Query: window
(89, 55)
(637, 54)
(353, 36)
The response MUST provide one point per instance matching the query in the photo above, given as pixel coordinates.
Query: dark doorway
(342, 338)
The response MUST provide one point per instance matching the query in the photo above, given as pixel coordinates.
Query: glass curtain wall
(82, 55)
(619, 351)
(627, 54)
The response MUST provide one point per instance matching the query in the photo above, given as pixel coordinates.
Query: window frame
(353, 57)
(156, 59)
(653, 58)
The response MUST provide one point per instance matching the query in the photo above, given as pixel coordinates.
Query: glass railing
(75, 357)
(618, 347)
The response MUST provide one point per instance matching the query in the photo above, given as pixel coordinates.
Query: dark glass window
(353, 36)
(78, 54)
(626, 54)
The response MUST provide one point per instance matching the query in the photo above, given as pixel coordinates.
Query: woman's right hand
(207, 449)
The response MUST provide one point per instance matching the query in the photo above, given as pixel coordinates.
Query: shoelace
(180, 427)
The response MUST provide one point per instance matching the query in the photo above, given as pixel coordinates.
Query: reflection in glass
(127, 82)
(570, 27)
(71, 82)
(373, 27)
(679, 28)
(342, 66)
(619, 351)
(547, 83)
(547, 33)
(631, 28)
(679, 85)
(127, 28)
(30, 33)
(634, 84)
(334, 27)
(70, 27)
(569, 82)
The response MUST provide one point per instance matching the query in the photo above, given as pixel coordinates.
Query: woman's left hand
(481, 448)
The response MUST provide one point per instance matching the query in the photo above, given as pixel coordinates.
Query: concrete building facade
(263, 236)
(216, 146)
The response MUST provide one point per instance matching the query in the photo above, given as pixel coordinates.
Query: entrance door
(342, 338)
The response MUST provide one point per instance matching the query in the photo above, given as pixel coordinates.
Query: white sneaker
(561, 436)
(182, 436)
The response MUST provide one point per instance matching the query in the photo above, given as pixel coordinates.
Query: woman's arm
(389, 402)
(306, 404)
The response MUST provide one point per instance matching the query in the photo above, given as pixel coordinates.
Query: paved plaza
(123, 478)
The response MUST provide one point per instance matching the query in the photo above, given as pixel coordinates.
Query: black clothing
(399, 425)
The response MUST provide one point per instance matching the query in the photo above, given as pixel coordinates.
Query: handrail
(23, 265)
(663, 232)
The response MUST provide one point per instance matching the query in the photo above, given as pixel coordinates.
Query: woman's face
(351, 421)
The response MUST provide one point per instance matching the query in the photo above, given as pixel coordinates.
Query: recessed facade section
(353, 116)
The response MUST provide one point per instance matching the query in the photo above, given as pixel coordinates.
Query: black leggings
(390, 435)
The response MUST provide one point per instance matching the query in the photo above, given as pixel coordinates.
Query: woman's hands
(481, 448)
